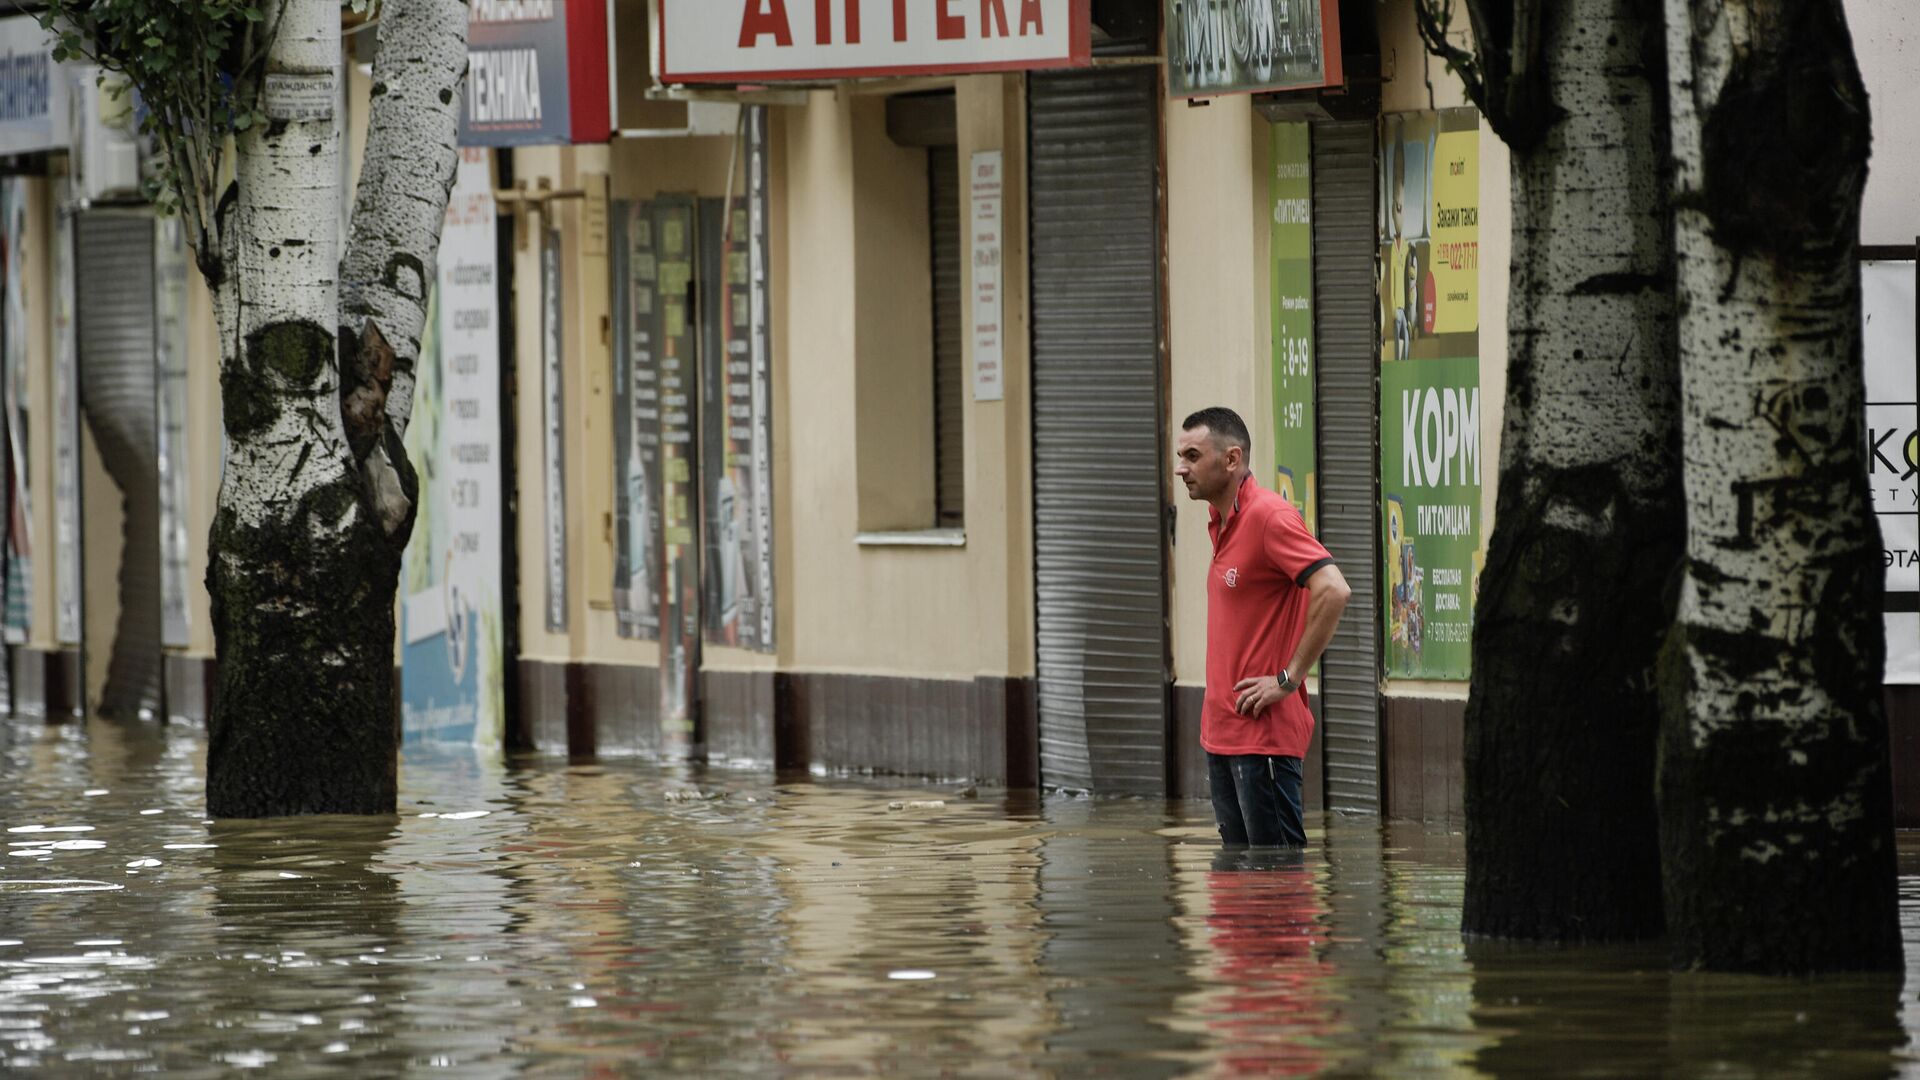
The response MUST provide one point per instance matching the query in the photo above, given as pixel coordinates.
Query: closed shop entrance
(1099, 491)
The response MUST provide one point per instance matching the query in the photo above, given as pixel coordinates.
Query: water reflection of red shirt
(1266, 935)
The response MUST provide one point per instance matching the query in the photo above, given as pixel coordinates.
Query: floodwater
(535, 918)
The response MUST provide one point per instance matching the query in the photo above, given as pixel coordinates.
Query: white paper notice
(983, 241)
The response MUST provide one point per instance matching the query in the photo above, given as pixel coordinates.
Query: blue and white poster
(453, 670)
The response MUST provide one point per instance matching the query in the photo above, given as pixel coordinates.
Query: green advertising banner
(1431, 460)
(1432, 468)
(1292, 273)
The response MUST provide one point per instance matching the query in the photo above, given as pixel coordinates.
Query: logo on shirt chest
(1232, 577)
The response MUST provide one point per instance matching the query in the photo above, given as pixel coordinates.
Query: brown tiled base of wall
(980, 729)
(1903, 723)
(579, 709)
(1421, 741)
(189, 683)
(1188, 776)
(737, 707)
(47, 683)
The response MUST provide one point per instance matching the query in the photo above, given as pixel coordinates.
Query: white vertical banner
(1888, 295)
(986, 201)
(66, 439)
(453, 667)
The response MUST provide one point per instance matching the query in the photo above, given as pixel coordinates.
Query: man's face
(1203, 464)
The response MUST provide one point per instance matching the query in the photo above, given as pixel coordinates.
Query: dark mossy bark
(1562, 719)
(304, 720)
(1562, 722)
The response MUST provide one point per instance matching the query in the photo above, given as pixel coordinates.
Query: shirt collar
(1248, 485)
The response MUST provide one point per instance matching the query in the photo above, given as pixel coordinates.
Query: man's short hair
(1224, 423)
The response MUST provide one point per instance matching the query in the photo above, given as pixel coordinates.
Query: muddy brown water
(536, 918)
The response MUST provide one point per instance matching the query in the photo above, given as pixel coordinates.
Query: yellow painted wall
(1214, 285)
(955, 612)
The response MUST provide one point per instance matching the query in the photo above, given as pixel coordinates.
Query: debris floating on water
(918, 804)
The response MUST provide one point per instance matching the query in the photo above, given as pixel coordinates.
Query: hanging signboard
(759, 263)
(1893, 450)
(636, 424)
(1236, 46)
(66, 439)
(769, 40)
(553, 419)
(33, 89)
(537, 73)
(1295, 448)
(453, 670)
(1431, 460)
(674, 220)
(171, 343)
(18, 579)
(986, 201)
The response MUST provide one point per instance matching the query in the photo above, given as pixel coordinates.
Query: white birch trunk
(282, 269)
(390, 267)
(317, 498)
(1775, 801)
(1562, 840)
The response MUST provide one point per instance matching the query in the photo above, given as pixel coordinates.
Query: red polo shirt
(1256, 610)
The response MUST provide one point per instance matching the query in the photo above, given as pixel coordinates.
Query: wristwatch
(1287, 685)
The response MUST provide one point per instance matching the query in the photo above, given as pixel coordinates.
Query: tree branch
(1435, 18)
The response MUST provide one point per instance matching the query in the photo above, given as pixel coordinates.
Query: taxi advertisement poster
(1431, 460)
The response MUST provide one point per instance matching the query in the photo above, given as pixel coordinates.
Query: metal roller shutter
(1344, 244)
(118, 369)
(949, 378)
(1099, 556)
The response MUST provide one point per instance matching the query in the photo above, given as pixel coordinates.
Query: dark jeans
(1256, 800)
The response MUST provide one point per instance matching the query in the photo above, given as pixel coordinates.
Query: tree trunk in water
(1561, 727)
(1775, 801)
(317, 377)
(301, 575)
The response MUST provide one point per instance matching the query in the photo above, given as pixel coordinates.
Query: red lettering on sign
(853, 22)
(997, 9)
(1030, 15)
(948, 26)
(823, 22)
(899, 20)
(754, 22)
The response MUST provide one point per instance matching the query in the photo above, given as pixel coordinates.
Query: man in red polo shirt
(1273, 599)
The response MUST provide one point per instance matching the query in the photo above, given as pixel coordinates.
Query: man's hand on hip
(1253, 696)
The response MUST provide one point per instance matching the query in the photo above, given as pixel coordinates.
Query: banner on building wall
(1295, 451)
(770, 40)
(18, 577)
(1237, 46)
(1888, 298)
(537, 73)
(553, 420)
(66, 438)
(453, 662)
(986, 201)
(674, 236)
(636, 424)
(33, 89)
(171, 343)
(1431, 460)
(729, 436)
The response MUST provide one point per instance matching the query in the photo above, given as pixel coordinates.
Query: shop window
(909, 368)
(946, 241)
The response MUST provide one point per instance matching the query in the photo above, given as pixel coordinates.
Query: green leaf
(243, 122)
(154, 42)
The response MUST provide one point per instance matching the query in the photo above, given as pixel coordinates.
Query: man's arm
(1327, 595)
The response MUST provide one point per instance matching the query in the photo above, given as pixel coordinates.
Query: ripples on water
(541, 919)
